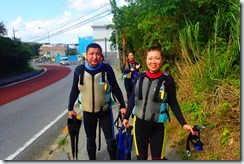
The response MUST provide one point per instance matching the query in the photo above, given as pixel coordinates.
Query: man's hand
(123, 111)
(71, 113)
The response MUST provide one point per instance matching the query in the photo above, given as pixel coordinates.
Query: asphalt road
(29, 108)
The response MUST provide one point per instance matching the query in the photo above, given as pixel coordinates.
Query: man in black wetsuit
(95, 81)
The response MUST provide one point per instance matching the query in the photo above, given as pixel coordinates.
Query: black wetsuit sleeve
(172, 101)
(125, 70)
(115, 87)
(130, 106)
(131, 102)
(74, 93)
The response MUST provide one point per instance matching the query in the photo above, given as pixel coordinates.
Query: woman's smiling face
(154, 61)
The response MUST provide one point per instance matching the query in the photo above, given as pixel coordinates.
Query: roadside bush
(14, 57)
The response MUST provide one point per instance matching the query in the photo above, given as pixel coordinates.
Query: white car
(64, 61)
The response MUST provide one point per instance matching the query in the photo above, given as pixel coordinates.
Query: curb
(13, 79)
(56, 152)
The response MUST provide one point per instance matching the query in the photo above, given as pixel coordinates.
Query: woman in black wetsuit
(130, 70)
(152, 92)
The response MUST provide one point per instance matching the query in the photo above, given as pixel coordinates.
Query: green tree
(3, 30)
(158, 22)
(14, 57)
(33, 48)
(71, 51)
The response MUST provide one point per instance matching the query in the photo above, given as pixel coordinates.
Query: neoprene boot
(111, 147)
(91, 149)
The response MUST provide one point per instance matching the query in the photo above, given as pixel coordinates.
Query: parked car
(64, 61)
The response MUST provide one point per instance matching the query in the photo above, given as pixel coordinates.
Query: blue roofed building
(83, 43)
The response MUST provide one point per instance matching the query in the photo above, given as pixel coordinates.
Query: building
(50, 52)
(83, 42)
(101, 35)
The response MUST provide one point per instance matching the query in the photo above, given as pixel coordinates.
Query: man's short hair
(94, 45)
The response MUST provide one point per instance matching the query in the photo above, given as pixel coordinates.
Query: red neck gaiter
(131, 60)
(154, 75)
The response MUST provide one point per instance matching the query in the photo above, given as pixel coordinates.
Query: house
(50, 52)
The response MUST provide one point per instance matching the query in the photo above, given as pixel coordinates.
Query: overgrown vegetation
(201, 41)
(15, 55)
(214, 85)
(62, 142)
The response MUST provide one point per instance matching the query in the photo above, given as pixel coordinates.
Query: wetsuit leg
(107, 125)
(141, 139)
(157, 141)
(90, 125)
(128, 87)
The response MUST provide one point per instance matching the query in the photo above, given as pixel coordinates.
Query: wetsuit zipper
(93, 95)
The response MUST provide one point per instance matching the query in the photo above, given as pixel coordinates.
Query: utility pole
(106, 55)
(124, 46)
(117, 48)
(14, 32)
(117, 43)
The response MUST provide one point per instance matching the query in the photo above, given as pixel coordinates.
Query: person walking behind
(95, 81)
(152, 92)
(130, 70)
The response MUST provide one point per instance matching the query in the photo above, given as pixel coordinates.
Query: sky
(57, 21)
(25, 16)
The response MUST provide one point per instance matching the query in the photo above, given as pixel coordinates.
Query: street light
(47, 33)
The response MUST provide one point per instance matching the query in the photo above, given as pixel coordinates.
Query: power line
(96, 17)
(63, 27)
(57, 10)
(62, 6)
(81, 16)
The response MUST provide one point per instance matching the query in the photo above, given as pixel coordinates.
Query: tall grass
(209, 83)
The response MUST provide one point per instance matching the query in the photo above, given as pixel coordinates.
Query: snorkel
(195, 140)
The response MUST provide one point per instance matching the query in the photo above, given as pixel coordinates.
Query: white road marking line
(11, 157)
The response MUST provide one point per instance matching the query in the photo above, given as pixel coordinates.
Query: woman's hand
(138, 66)
(189, 129)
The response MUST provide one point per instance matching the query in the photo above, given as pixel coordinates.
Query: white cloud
(75, 15)
(67, 14)
(84, 5)
(17, 21)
